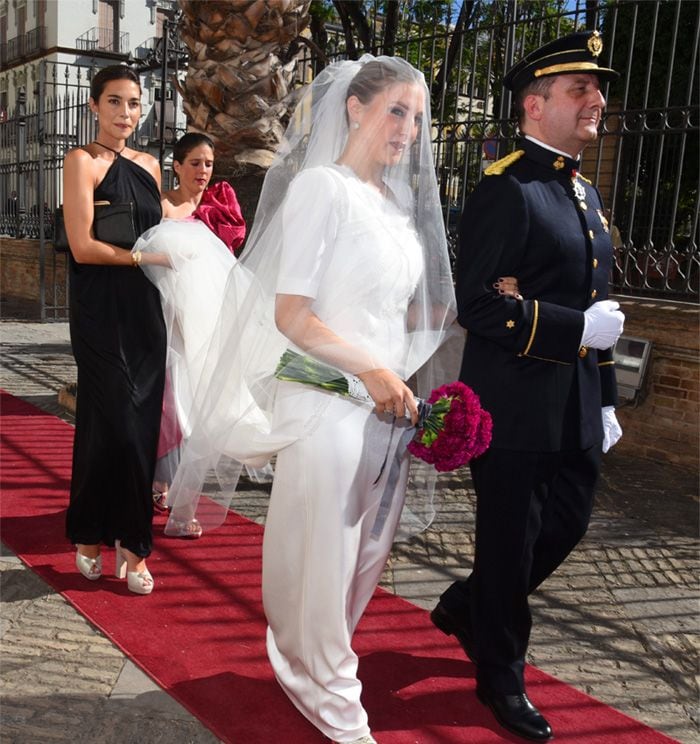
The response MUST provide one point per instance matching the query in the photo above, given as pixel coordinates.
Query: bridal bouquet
(455, 430)
(452, 429)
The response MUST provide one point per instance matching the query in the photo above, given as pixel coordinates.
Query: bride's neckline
(384, 191)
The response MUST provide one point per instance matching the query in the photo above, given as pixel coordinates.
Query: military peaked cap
(577, 52)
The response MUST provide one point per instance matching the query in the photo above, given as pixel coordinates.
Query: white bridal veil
(374, 254)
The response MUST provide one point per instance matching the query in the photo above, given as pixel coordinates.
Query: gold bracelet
(136, 259)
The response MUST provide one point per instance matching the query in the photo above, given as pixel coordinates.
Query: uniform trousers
(532, 510)
(320, 562)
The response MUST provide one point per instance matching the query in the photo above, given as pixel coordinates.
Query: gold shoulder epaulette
(583, 178)
(495, 169)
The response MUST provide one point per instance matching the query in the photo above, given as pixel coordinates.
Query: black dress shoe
(516, 714)
(449, 625)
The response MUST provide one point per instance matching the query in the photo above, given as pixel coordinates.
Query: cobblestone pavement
(618, 620)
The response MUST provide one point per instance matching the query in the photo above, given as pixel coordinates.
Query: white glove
(612, 431)
(602, 324)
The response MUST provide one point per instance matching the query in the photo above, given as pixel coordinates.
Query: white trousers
(320, 563)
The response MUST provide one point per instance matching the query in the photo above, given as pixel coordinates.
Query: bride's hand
(508, 285)
(389, 393)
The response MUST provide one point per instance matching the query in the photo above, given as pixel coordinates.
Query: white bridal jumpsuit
(355, 253)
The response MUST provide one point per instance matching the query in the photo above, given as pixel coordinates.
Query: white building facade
(49, 50)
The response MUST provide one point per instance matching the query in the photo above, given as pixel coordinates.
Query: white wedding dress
(355, 253)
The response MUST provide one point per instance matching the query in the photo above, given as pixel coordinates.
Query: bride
(346, 267)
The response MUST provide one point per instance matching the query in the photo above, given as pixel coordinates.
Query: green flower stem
(294, 367)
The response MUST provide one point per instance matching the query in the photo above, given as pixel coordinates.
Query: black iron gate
(645, 162)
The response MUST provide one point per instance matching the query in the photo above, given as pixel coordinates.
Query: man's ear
(533, 106)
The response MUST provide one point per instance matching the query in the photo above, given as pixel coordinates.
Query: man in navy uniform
(540, 358)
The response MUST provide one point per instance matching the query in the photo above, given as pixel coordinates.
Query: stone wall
(663, 423)
(20, 280)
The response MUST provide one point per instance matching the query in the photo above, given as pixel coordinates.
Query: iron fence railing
(646, 160)
(46, 123)
(645, 163)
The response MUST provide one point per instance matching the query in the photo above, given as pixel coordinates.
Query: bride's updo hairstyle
(374, 76)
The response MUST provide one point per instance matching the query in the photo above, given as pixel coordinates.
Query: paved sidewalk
(619, 620)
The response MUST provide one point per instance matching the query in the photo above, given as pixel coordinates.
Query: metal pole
(41, 92)
(21, 153)
(163, 88)
(510, 19)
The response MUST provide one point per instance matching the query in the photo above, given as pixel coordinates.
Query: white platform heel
(90, 568)
(139, 582)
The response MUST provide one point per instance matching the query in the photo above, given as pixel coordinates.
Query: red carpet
(200, 635)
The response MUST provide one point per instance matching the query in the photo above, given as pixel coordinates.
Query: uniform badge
(603, 221)
(558, 164)
(595, 44)
(579, 191)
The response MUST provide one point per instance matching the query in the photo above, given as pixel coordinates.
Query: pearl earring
(356, 125)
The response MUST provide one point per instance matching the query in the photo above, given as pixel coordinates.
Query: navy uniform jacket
(524, 358)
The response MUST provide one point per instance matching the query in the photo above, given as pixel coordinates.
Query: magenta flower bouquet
(454, 430)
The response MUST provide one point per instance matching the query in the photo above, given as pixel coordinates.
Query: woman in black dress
(118, 339)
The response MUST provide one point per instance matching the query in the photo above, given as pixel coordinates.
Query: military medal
(579, 191)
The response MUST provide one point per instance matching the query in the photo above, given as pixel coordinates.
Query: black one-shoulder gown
(119, 342)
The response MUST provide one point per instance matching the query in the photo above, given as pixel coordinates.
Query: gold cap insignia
(558, 163)
(595, 44)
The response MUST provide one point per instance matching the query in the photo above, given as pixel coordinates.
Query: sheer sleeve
(310, 223)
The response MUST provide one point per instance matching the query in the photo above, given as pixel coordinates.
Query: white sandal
(139, 582)
(189, 528)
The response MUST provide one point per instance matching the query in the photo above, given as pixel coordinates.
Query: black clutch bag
(112, 223)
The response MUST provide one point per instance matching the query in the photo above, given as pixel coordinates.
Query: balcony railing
(147, 48)
(103, 39)
(25, 45)
(35, 40)
(150, 51)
